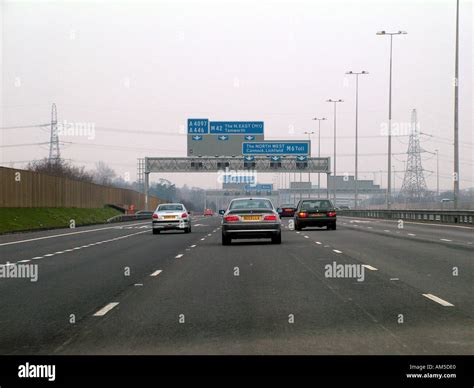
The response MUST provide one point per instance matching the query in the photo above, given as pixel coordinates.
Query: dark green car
(315, 212)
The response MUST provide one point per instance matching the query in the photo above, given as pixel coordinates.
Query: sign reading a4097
(276, 148)
(198, 126)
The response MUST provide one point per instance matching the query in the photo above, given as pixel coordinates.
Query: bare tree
(60, 167)
(103, 174)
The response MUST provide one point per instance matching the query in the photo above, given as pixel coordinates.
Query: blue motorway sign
(259, 187)
(276, 148)
(198, 126)
(236, 127)
(239, 179)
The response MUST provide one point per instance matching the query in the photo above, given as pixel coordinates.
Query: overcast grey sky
(148, 66)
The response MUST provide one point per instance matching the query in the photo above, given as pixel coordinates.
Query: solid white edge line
(104, 310)
(60, 235)
(436, 299)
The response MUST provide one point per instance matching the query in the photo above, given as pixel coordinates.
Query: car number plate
(169, 217)
(251, 218)
(317, 215)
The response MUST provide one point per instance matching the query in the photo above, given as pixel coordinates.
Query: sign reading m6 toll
(281, 148)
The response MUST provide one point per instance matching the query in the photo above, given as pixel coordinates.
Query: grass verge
(20, 219)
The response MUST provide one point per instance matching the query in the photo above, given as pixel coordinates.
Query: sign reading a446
(198, 126)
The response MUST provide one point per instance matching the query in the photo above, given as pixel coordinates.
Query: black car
(287, 210)
(315, 212)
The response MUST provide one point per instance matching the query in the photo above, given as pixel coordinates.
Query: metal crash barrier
(434, 216)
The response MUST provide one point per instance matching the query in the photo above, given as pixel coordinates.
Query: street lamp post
(389, 165)
(356, 191)
(437, 172)
(456, 113)
(309, 133)
(319, 151)
(334, 172)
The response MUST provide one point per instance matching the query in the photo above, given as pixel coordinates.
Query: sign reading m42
(281, 148)
(236, 127)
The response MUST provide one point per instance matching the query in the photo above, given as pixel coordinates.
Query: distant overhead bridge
(269, 164)
(215, 164)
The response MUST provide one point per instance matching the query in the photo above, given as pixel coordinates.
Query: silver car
(171, 216)
(251, 218)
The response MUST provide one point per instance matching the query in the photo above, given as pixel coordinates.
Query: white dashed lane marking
(369, 267)
(337, 251)
(445, 239)
(156, 273)
(179, 256)
(104, 310)
(319, 243)
(436, 299)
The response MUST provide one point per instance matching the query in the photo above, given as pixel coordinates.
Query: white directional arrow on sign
(197, 137)
(223, 137)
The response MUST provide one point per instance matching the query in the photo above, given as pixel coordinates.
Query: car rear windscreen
(248, 204)
(170, 207)
(316, 205)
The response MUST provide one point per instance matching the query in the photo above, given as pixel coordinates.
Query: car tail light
(155, 215)
(303, 214)
(231, 218)
(184, 215)
(332, 214)
(270, 218)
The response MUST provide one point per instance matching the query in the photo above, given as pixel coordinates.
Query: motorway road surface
(188, 294)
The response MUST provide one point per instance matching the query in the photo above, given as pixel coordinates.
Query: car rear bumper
(175, 224)
(321, 221)
(250, 230)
